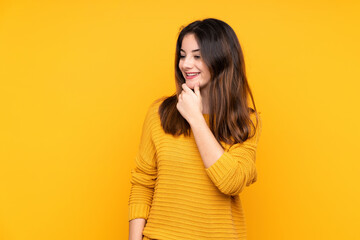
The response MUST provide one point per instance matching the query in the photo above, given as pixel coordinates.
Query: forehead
(189, 42)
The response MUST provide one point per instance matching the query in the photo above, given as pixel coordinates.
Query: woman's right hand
(136, 227)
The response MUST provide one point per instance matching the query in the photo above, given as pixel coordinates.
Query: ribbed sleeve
(143, 176)
(236, 168)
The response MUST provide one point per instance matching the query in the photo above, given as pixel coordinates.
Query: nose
(188, 62)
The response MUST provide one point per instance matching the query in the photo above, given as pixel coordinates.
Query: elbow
(232, 173)
(142, 179)
(238, 180)
(234, 189)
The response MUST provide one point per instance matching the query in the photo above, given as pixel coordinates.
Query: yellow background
(76, 79)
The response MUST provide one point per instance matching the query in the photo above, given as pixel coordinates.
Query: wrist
(197, 120)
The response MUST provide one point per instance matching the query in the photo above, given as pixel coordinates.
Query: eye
(197, 57)
(182, 56)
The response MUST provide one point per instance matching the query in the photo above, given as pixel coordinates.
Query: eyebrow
(192, 50)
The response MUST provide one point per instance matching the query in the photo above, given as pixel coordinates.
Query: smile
(191, 75)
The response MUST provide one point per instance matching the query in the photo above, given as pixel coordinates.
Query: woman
(198, 147)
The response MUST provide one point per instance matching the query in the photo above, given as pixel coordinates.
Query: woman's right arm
(136, 227)
(143, 178)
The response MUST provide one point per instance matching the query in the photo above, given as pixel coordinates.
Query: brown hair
(229, 116)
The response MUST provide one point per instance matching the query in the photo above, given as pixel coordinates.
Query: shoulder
(256, 124)
(152, 116)
(256, 117)
(153, 108)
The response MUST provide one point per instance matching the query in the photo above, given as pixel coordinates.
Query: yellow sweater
(178, 196)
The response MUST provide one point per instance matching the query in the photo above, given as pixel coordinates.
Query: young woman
(198, 147)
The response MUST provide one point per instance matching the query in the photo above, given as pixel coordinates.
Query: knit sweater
(180, 198)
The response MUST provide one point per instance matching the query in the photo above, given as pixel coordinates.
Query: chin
(191, 85)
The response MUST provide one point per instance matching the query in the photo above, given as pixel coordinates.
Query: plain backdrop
(76, 79)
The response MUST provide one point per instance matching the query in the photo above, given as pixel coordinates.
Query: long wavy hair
(229, 116)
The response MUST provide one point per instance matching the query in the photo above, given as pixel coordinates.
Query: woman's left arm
(209, 148)
(229, 170)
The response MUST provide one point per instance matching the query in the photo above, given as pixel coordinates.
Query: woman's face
(191, 64)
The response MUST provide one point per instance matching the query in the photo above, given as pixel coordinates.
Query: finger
(185, 87)
(197, 90)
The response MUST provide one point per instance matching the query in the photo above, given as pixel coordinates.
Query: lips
(191, 75)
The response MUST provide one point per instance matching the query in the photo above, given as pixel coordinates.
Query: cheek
(207, 77)
(180, 65)
(204, 71)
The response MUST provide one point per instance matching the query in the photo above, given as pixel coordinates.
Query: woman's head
(193, 68)
(208, 51)
(220, 52)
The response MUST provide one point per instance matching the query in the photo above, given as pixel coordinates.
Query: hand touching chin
(190, 103)
(192, 84)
